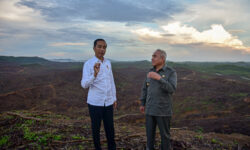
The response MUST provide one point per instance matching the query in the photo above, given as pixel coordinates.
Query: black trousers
(97, 114)
(163, 123)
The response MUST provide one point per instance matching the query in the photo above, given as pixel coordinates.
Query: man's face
(100, 49)
(157, 59)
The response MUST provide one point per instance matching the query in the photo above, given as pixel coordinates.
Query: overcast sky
(190, 30)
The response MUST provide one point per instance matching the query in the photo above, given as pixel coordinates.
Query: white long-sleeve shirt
(102, 91)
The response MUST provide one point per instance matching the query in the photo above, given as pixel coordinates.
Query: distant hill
(238, 69)
(136, 64)
(241, 69)
(22, 60)
(65, 60)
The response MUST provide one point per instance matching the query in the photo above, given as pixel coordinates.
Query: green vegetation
(29, 135)
(214, 141)
(29, 122)
(143, 127)
(8, 117)
(188, 99)
(188, 108)
(206, 102)
(205, 77)
(200, 137)
(4, 140)
(80, 147)
(235, 142)
(78, 137)
(41, 137)
(224, 68)
(238, 95)
(38, 137)
(43, 140)
(199, 130)
(57, 137)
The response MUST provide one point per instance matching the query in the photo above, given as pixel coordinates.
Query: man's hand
(96, 68)
(154, 75)
(115, 105)
(142, 109)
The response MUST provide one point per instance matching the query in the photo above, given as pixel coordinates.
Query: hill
(43, 105)
(22, 60)
(239, 69)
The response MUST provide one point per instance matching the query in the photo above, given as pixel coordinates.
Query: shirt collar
(97, 59)
(164, 68)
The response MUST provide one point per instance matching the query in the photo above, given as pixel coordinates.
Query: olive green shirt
(157, 94)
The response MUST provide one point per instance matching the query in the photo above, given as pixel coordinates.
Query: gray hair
(163, 54)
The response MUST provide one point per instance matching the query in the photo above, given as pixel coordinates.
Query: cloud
(104, 10)
(14, 14)
(201, 52)
(10, 11)
(226, 12)
(176, 33)
(58, 28)
(235, 31)
(56, 54)
(67, 44)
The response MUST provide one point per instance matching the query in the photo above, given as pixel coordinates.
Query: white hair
(163, 54)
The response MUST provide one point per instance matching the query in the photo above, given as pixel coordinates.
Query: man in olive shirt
(156, 99)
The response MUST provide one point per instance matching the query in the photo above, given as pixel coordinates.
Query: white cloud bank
(59, 44)
(176, 33)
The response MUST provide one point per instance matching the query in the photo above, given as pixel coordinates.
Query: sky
(190, 30)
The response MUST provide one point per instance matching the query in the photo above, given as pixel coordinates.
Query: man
(98, 77)
(156, 99)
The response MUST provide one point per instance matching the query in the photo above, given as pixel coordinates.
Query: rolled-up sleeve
(87, 76)
(169, 85)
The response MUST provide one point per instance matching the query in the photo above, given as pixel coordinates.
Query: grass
(214, 141)
(29, 135)
(200, 137)
(235, 142)
(29, 122)
(205, 77)
(37, 137)
(43, 140)
(78, 137)
(206, 102)
(238, 95)
(4, 140)
(189, 108)
(80, 147)
(238, 69)
(188, 99)
(57, 137)
(199, 130)
(8, 117)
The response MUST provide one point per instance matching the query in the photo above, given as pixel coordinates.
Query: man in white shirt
(98, 77)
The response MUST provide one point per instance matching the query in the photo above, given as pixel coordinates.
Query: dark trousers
(97, 114)
(163, 123)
